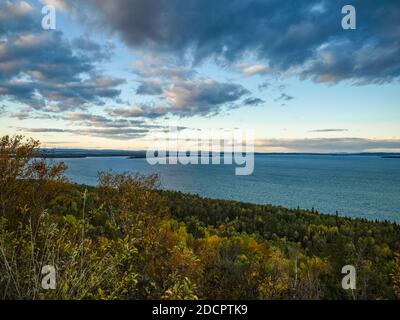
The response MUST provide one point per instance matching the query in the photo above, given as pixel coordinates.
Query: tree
(396, 276)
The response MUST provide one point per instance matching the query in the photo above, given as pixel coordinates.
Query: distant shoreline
(89, 155)
(78, 153)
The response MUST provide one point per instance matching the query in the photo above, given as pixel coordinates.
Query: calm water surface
(357, 186)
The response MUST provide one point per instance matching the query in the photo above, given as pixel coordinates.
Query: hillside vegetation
(126, 239)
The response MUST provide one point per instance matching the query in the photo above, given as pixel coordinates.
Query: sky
(116, 74)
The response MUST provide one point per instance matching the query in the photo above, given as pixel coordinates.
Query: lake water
(357, 186)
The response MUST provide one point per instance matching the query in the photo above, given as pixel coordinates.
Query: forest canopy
(127, 239)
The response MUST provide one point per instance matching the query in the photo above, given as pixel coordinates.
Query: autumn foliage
(126, 239)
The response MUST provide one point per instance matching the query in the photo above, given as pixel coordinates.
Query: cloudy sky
(114, 74)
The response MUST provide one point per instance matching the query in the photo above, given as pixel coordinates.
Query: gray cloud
(27, 113)
(42, 70)
(329, 144)
(138, 111)
(99, 121)
(291, 36)
(21, 115)
(15, 16)
(110, 133)
(253, 101)
(149, 87)
(181, 92)
(284, 97)
(50, 74)
(44, 130)
(61, 95)
(328, 130)
(76, 116)
(159, 68)
(42, 55)
(92, 49)
(264, 86)
(189, 97)
(202, 97)
(84, 123)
